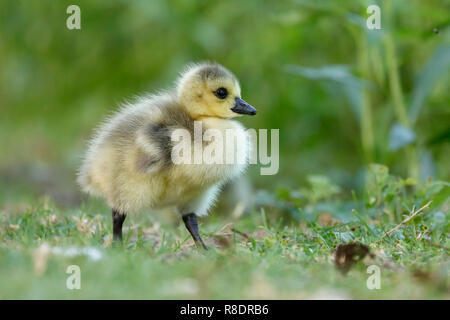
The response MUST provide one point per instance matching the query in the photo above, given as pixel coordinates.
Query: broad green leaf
(436, 67)
(400, 136)
(337, 76)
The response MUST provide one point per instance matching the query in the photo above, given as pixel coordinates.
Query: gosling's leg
(118, 219)
(190, 220)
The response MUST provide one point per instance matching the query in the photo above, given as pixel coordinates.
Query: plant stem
(396, 91)
(394, 81)
(367, 137)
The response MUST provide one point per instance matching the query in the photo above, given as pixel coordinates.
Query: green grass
(264, 254)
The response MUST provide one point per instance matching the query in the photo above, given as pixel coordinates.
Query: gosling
(129, 161)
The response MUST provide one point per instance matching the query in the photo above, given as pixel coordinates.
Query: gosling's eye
(221, 93)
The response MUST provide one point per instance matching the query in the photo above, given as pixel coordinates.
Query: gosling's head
(210, 90)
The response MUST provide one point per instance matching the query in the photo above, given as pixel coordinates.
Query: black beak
(243, 107)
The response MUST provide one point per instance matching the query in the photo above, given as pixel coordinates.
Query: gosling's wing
(154, 148)
(155, 137)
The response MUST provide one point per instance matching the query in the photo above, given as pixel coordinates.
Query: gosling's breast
(220, 154)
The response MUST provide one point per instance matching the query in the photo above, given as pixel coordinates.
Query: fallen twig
(412, 215)
(438, 245)
(240, 233)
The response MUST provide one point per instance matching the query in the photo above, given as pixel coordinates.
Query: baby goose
(129, 161)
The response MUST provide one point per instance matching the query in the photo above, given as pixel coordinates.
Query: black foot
(118, 219)
(190, 220)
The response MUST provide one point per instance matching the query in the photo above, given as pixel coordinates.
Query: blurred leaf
(398, 235)
(427, 165)
(339, 76)
(400, 136)
(357, 20)
(321, 188)
(431, 188)
(338, 73)
(440, 220)
(381, 186)
(345, 236)
(437, 66)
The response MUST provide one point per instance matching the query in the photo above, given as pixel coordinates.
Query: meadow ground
(261, 255)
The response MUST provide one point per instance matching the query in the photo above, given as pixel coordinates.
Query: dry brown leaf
(348, 254)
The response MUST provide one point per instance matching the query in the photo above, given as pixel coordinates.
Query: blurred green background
(342, 96)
